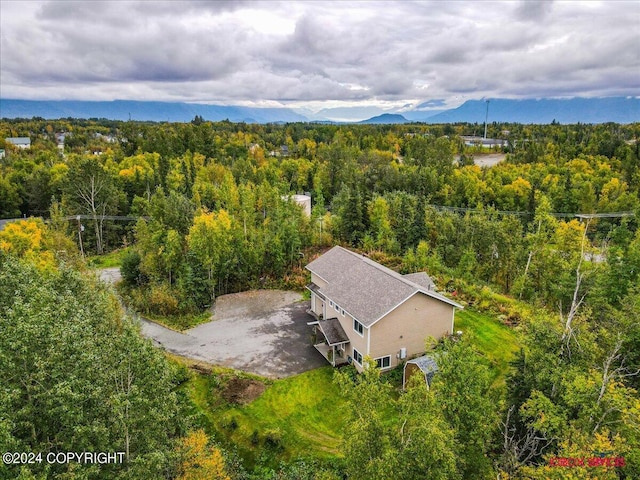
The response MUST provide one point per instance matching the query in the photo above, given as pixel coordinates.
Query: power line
(123, 218)
(522, 213)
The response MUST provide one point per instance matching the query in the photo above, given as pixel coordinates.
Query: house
(363, 308)
(20, 142)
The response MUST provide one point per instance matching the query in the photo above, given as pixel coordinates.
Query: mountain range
(573, 110)
(145, 111)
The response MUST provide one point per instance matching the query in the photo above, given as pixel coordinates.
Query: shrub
(273, 439)
(130, 269)
(233, 424)
(162, 301)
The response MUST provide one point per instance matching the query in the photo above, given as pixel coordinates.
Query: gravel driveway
(261, 331)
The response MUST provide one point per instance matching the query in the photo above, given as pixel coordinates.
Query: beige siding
(356, 341)
(346, 321)
(408, 326)
(318, 281)
(318, 304)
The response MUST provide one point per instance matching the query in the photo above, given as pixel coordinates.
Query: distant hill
(386, 118)
(543, 111)
(574, 110)
(146, 111)
(421, 115)
(346, 114)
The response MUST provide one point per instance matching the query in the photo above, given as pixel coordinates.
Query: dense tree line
(213, 216)
(78, 377)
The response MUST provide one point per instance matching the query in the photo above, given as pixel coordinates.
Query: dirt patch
(110, 275)
(489, 160)
(241, 391)
(200, 368)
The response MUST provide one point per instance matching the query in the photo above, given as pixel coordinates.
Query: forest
(547, 241)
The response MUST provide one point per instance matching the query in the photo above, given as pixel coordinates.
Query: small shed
(426, 364)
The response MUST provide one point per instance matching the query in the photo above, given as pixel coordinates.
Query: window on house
(331, 303)
(342, 311)
(357, 357)
(337, 307)
(357, 326)
(383, 362)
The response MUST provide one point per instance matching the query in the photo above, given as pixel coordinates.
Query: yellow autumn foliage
(200, 461)
(27, 239)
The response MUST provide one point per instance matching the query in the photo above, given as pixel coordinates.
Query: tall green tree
(78, 377)
(90, 190)
(462, 391)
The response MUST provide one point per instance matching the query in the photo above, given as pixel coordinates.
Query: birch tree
(90, 190)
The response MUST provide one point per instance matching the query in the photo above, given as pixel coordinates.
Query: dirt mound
(241, 391)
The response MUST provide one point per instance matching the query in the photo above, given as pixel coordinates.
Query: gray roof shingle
(333, 331)
(364, 288)
(421, 279)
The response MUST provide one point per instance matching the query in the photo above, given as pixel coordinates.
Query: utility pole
(486, 117)
(80, 229)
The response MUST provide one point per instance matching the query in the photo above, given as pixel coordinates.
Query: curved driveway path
(262, 331)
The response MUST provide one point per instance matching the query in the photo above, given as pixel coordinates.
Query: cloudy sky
(318, 54)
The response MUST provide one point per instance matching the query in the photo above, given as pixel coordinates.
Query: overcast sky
(318, 54)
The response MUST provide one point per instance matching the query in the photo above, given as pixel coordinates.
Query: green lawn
(297, 416)
(496, 341)
(304, 415)
(108, 260)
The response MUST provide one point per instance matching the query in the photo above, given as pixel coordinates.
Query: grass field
(495, 341)
(300, 416)
(111, 259)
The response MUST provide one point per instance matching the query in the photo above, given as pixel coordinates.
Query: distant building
(1, 153)
(20, 142)
(60, 137)
(105, 138)
(472, 141)
(303, 200)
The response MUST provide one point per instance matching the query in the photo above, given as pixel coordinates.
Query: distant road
(489, 160)
(486, 160)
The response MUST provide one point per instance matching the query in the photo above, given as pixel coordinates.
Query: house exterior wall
(318, 281)
(355, 340)
(408, 326)
(325, 308)
(317, 304)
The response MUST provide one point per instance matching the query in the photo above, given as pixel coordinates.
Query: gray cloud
(367, 52)
(533, 10)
